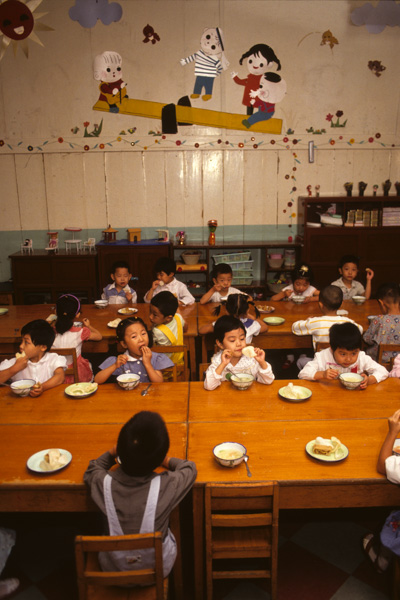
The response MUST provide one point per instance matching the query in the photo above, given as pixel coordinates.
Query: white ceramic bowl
(242, 381)
(359, 299)
(297, 299)
(128, 381)
(223, 451)
(351, 381)
(191, 258)
(101, 303)
(22, 387)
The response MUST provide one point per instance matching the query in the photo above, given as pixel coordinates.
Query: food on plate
(325, 446)
(294, 392)
(20, 355)
(84, 388)
(229, 454)
(265, 308)
(114, 323)
(53, 460)
(127, 311)
(249, 352)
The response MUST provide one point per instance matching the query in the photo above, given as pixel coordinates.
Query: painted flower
(86, 148)
(241, 144)
(339, 113)
(30, 148)
(255, 146)
(86, 124)
(371, 139)
(60, 140)
(101, 146)
(285, 139)
(119, 139)
(329, 117)
(294, 141)
(1, 142)
(272, 142)
(294, 169)
(253, 139)
(219, 141)
(340, 137)
(332, 142)
(351, 140)
(133, 143)
(196, 145)
(295, 189)
(164, 137)
(144, 147)
(178, 142)
(287, 176)
(377, 135)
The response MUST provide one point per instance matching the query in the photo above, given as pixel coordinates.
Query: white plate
(111, 324)
(33, 462)
(341, 453)
(77, 390)
(263, 311)
(127, 311)
(282, 390)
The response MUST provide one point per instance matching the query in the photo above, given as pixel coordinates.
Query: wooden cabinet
(376, 246)
(42, 277)
(141, 257)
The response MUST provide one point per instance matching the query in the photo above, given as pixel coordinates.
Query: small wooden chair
(69, 352)
(182, 371)
(241, 523)
(95, 584)
(321, 346)
(202, 369)
(387, 348)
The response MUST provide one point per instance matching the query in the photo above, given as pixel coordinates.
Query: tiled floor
(320, 557)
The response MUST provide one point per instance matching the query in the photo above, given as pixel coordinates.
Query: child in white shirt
(165, 269)
(230, 337)
(222, 279)
(301, 286)
(348, 269)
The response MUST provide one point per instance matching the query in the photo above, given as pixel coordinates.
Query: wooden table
(281, 336)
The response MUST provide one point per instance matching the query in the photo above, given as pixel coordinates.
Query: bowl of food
(22, 387)
(191, 257)
(242, 381)
(351, 381)
(359, 299)
(229, 454)
(297, 299)
(101, 303)
(274, 320)
(128, 381)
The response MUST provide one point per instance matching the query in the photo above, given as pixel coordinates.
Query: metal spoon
(146, 390)
(246, 458)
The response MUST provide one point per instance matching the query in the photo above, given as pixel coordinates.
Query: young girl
(238, 305)
(230, 337)
(385, 328)
(133, 335)
(301, 286)
(70, 336)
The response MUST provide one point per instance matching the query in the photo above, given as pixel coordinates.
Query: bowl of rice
(229, 454)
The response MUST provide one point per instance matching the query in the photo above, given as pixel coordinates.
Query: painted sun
(18, 24)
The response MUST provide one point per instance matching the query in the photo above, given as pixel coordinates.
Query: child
(168, 325)
(165, 269)
(127, 494)
(348, 269)
(385, 328)
(301, 286)
(395, 372)
(35, 361)
(138, 358)
(238, 305)
(230, 337)
(344, 356)
(222, 278)
(119, 292)
(70, 336)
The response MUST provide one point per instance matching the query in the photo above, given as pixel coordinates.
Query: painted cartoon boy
(108, 70)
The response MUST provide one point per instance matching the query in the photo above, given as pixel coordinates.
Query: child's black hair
(265, 51)
(120, 331)
(165, 264)
(331, 297)
(166, 303)
(349, 258)
(303, 271)
(389, 292)
(225, 324)
(120, 264)
(237, 306)
(345, 335)
(67, 307)
(221, 269)
(143, 443)
(41, 332)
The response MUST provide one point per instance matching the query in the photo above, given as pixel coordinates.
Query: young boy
(385, 328)
(133, 487)
(222, 278)
(35, 361)
(165, 269)
(344, 356)
(230, 337)
(348, 269)
(168, 325)
(119, 292)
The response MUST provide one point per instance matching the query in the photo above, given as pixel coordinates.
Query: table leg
(192, 352)
(198, 541)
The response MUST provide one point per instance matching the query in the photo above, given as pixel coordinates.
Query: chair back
(182, 371)
(321, 346)
(202, 369)
(72, 370)
(95, 583)
(241, 523)
(392, 348)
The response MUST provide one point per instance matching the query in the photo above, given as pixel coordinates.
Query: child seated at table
(230, 337)
(134, 498)
(119, 292)
(139, 359)
(385, 328)
(222, 279)
(34, 361)
(168, 325)
(71, 335)
(300, 286)
(348, 269)
(344, 356)
(165, 269)
(238, 305)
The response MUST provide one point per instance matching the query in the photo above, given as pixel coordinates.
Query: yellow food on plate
(126, 311)
(53, 460)
(84, 388)
(325, 446)
(229, 454)
(114, 323)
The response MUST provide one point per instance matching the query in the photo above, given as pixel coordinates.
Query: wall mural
(18, 24)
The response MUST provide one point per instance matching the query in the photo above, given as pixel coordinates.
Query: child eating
(385, 328)
(348, 269)
(35, 361)
(344, 356)
(119, 292)
(230, 337)
(138, 358)
(165, 269)
(222, 279)
(168, 325)
(301, 286)
(134, 498)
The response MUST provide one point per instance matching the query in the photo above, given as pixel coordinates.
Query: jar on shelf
(290, 258)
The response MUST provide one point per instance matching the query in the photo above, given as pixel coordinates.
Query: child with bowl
(385, 328)
(348, 269)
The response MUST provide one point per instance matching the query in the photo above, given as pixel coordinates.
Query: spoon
(246, 458)
(146, 390)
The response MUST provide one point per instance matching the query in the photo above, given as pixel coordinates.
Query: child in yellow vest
(168, 325)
